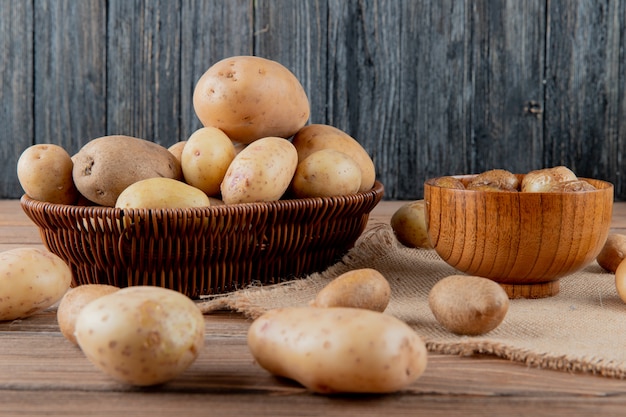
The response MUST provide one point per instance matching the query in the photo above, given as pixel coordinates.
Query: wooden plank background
(429, 87)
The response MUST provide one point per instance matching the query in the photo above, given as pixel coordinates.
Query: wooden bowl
(203, 251)
(524, 241)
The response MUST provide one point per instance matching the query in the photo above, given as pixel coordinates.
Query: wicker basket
(203, 251)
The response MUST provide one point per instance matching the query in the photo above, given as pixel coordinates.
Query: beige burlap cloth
(581, 329)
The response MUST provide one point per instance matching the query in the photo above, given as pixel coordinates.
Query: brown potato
(315, 137)
(45, 174)
(73, 302)
(105, 166)
(409, 225)
(360, 288)
(468, 305)
(613, 252)
(249, 98)
(449, 182)
(494, 180)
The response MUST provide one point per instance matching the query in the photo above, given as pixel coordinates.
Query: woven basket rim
(376, 191)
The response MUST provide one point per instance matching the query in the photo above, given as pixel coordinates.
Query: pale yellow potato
(141, 335)
(250, 97)
(409, 225)
(260, 172)
(468, 305)
(31, 280)
(105, 166)
(339, 349)
(315, 137)
(161, 193)
(45, 174)
(177, 149)
(73, 302)
(360, 288)
(543, 180)
(205, 159)
(326, 173)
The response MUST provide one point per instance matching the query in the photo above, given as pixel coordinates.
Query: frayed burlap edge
(374, 244)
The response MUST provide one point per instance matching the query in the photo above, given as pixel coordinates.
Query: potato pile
(547, 180)
(254, 147)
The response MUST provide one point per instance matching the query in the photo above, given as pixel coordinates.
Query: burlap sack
(582, 329)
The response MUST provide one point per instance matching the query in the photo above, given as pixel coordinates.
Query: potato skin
(45, 174)
(326, 173)
(250, 97)
(543, 180)
(613, 252)
(409, 225)
(494, 180)
(32, 280)
(141, 335)
(158, 193)
(315, 137)
(205, 159)
(620, 280)
(105, 166)
(73, 302)
(260, 172)
(333, 350)
(360, 288)
(468, 305)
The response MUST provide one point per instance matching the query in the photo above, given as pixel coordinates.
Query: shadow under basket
(203, 251)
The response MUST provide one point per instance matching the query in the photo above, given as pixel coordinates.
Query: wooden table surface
(41, 373)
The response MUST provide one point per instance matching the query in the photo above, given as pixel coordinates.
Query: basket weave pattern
(203, 251)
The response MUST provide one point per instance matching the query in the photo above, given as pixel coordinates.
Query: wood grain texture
(429, 87)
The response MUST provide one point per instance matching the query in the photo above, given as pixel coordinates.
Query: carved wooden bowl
(524, 241)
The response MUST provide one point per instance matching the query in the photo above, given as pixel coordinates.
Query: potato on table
(333, 350)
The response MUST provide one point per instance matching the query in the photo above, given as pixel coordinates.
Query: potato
(206, 158)
(141, 335)
(542, 180)
(449, 182)
(161, 193)
(468, 305)
(620, 280)
(249, 98)
(409, 225)
(613, 252)
(31, 280)
(571, 187)
(315, 137)
(260, 172)
(494, 180)
(73, 302)
(326, 173)
(360, 288)
(105, 166)
(45, 174)
(177, 149)
(331, 350)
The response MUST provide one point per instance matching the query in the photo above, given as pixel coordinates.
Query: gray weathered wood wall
(429, 87)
